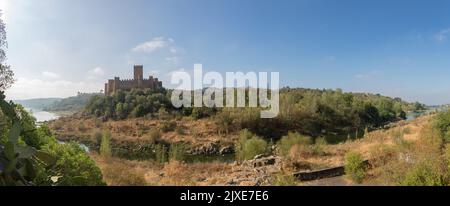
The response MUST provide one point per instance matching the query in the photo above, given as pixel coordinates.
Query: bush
(281, 179)
(255, 146)
(250, 146)
(177, 152)
(442, 123)
(354, 166)
(423, 174)
(161, 153)
(105, 146)
(73, 166)
(287, 142)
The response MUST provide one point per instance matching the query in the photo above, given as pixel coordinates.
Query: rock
(264, 161)
(226, 150)
(258, 156)
(207, 149)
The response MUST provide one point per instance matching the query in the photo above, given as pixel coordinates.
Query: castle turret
(138, 72)
(116, 84)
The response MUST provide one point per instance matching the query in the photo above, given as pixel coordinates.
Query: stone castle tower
(138, 82)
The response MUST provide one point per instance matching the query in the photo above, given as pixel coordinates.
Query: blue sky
(398, 48)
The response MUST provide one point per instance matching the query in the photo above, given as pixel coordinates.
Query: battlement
(139, 82)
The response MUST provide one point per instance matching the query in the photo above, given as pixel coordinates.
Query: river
(42, 116)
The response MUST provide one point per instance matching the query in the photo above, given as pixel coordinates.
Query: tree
(6, 74)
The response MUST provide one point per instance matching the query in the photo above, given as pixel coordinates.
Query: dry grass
(140, 129)
(118, 172)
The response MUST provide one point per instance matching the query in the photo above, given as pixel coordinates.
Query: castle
(138, 82)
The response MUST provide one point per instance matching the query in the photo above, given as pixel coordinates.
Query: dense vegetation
(306, 111)
(75, 103)
(136, 103)
(30, 155)
(38, 104)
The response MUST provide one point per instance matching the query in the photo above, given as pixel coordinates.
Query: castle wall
(138, 82)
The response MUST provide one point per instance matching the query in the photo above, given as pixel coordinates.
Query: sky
(397, 48)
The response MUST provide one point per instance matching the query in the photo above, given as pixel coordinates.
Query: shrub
(447, 157)
(287, 142)
(105, 146)
(249, 146)
(354, 166)
(254, 146)
(161, 153)
(423, 174)
(281, 179)
(98, 136)
(442, 123)
(176, 152)
(73, 166)
(321, 141)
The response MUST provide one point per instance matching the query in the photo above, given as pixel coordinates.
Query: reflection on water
(42, 116)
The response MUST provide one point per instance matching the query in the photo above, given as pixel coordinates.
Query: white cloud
(152, 45)
(165, 45)
(50, 75)
(96, 73)
(442, 35)
(26, 88)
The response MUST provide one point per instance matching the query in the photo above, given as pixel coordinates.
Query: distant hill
(72, 104)
(37, 104)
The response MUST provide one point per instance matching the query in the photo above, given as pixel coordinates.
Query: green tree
(6, 74)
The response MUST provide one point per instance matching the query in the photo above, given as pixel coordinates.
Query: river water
(42, 116)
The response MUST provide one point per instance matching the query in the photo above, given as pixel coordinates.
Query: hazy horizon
(60, 47)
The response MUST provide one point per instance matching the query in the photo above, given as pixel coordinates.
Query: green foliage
(134, 103)
(423, 174)
(105, 146)
(293, 138)
(76, 103)
(73, 166)
(354, 166)
(442, 123)
(177, 152)
(250, 146)
(6, 74)
(161, 153)
(198, 113)
(281, 179)
(21, 164)
(316, 113)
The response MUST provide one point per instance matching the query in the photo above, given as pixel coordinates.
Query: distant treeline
(75, 103)
(308, 111)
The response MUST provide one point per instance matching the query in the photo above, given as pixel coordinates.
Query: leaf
(46, 158)
(25, 152)
(10, 154)
(14, 133)
(31, 171)
(7, 109)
